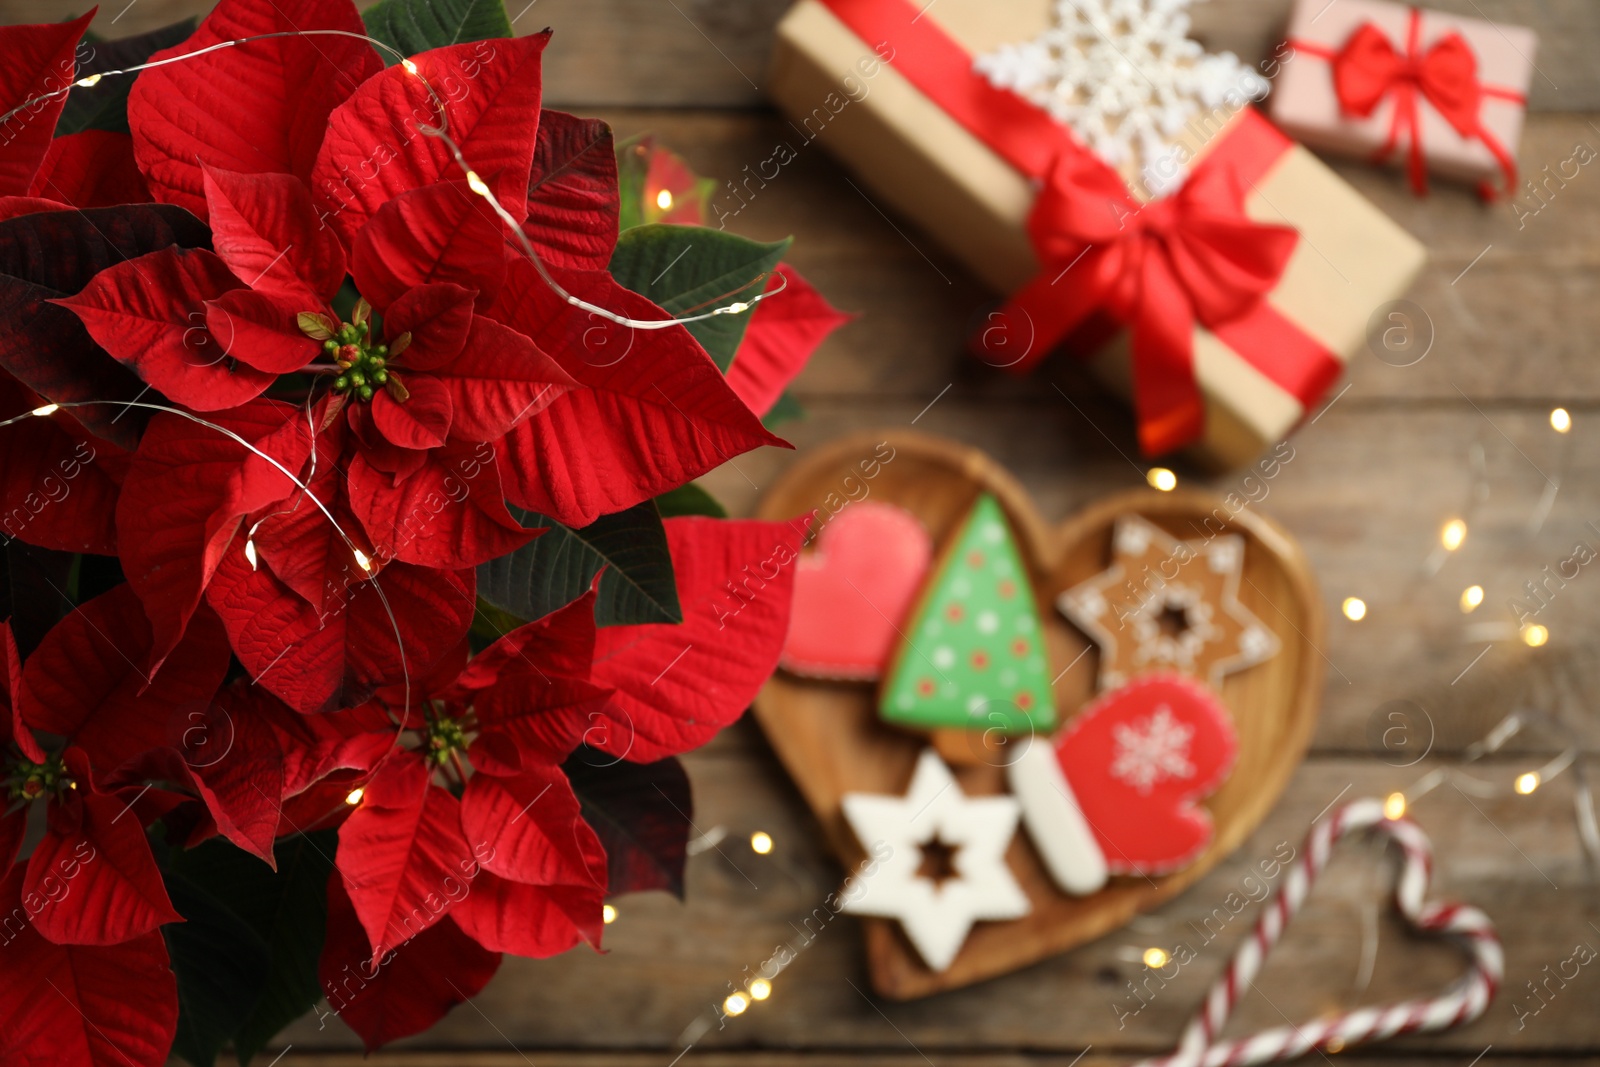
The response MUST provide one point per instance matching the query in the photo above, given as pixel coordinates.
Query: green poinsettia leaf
(490, 624)
(221, 966)
(642, 814)
(36, 594)
(413, 26)
(646, 170)
(692, 269)
(287, 910)
(556, 568)
(689, 500)
(632, 166)
(786, 409)
(104, 105)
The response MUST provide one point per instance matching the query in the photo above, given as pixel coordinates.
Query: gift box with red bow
(1440, 92)
(1206, 265)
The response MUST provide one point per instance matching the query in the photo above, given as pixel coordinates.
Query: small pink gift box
(1443, 93)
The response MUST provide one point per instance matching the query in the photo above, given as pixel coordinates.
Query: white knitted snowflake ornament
(1124, 75)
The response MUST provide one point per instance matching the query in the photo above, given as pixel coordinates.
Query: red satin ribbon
(1160, 267)
(1368, 70)
(1157, 268)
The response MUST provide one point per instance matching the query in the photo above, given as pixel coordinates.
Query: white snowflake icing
(1257, 643)
(1124, 75)
(1224, 555)
(1091, 603)
(1132, 538)
(1153, 750)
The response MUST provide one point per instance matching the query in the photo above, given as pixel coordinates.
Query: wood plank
(798, 1058)
(702, 53)
(668, 963)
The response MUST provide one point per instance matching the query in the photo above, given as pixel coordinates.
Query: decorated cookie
(1060, 833)
(973, 655)
(852, 592)
(1168, 605)
(1133, 765)
(940, 860)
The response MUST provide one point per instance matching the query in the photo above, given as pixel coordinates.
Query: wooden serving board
(829, 738)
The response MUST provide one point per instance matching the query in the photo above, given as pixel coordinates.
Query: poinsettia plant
(359, 593)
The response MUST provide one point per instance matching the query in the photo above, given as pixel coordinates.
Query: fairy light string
(481, 188)
(440, 131)
(1451, 535)
(45, 411)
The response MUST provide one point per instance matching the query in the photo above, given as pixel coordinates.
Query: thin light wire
(91, 80)
(1567, 759)
(46, 410)
(479, 186)
(474, 182)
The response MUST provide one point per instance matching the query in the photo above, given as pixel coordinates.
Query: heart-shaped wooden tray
(829, 738)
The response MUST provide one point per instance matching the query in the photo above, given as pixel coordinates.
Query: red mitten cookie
(853, 590)
(1138, 759)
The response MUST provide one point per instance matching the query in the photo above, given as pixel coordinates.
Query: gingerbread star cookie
(1168, 605)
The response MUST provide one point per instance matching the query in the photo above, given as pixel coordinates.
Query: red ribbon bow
(1110, 261)
(1368, 69)
(1159, 267)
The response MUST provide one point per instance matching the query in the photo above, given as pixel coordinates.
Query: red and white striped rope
(1463, 1001)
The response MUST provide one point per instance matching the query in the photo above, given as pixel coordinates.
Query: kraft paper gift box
(842, 85)
(1346, 91)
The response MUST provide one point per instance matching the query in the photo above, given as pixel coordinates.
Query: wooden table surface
(1515, 310)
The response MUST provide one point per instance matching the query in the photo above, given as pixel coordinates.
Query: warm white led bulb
(1394, 806)
(1162, 479)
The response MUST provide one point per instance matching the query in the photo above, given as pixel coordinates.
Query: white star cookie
(935, 820)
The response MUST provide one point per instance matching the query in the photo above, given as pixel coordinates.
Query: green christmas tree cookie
(974, 653)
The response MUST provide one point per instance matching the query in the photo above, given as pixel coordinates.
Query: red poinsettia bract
(269, 426)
